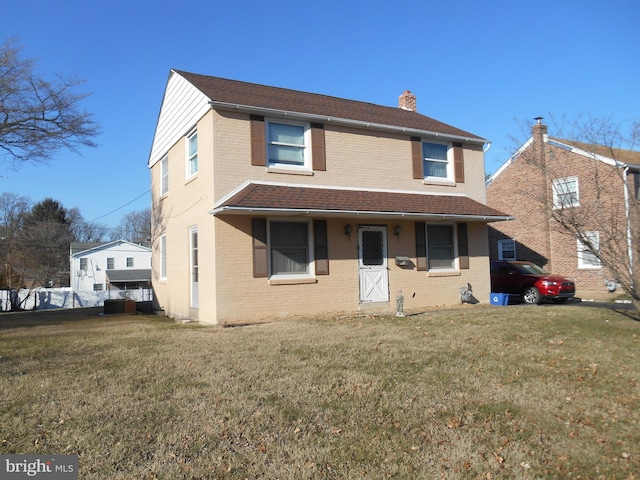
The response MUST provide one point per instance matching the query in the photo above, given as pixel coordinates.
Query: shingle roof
(120, 276)
(282, 99)
(255, 198)
(631, 157)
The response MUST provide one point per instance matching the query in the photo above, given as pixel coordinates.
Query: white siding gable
(182, 106)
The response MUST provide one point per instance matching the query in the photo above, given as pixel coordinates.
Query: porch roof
(122, 276)
(284, 200)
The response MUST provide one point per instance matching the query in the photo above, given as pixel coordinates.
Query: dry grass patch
(515, 392)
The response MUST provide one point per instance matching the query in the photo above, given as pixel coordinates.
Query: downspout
(627, 209)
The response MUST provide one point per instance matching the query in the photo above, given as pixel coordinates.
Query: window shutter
(416, 157)
(321, 251)
(463, 247)
(458, 162)
(317, 147)
(258, 148)
(421, 246)
(259, 234)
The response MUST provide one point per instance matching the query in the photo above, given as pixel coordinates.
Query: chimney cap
(538, 120)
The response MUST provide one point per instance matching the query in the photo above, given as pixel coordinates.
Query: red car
(530, 282)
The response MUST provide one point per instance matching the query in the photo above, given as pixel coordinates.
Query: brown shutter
(458, 162)
(416, 157)
(258, 147)
(321, 251)
(259, 234)
(421, 246)
(463, 246)
(317, 147)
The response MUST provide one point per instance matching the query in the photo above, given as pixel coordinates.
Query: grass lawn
(472, 392)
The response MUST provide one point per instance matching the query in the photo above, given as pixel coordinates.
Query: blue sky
(480, 66)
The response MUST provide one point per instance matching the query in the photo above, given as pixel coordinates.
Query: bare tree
(84, 231)
(13, 211)
(134, 227)
(38, 117)
(611, 207)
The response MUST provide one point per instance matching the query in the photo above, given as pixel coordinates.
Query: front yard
(472, 392)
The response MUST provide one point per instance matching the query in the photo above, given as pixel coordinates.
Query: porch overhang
(124, 276)
(284, 200)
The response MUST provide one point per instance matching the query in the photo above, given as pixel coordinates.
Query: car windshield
(530, 269)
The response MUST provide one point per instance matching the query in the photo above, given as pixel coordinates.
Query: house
(116, 265)
(273, 202)
(549, 180)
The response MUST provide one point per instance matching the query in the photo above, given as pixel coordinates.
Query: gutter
(231, 210)
(345, 121)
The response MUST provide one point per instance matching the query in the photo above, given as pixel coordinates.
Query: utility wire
(119, 208)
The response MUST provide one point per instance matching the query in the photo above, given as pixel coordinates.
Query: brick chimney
(539, 131)
(407, 101)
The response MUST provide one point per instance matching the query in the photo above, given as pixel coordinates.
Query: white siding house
(117, 265)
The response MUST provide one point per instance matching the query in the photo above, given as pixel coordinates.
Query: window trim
(450, 167)
(581, 250)
(310, 273)
(164, 176)
(501, 248)
(306, 166)
(163, 256)
(127, 262)
(558, 186)
(111, 263)
(191, 158)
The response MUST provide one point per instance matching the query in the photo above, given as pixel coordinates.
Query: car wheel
(531, 296)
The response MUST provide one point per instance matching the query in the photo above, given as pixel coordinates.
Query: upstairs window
(565, 192)
(507, 249)
(83, 264)
(192, 154)
(287, 145)
(110, 263)
(130, 262)
(436, 161)
(164, 176)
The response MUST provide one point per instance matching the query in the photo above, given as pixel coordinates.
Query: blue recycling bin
(501, 299)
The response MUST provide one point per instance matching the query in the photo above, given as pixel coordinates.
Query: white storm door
(372, 262)
(194, 268)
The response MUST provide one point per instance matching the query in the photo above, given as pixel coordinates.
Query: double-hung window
(163, 256)
(440, 247)
(507, 249)
(129, 262)
(288, 145)
(192, 154)
(83, 264)
(436, 161)
(289, 247)
(587, 257)
(110, 263)
(565, 192)
(164, 176)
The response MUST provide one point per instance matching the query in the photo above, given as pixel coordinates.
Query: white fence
(49, 298)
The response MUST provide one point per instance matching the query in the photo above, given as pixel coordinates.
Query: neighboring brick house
(549, 173)
(274, 202)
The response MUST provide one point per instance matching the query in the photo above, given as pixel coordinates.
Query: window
(129, 262)
(192, 154)
(586, 257)
(194, 255)
(164, 176)
(565, 192)
(440, 247)
(436, 162)
(507, 249)
(97, 287)
(110, 263)
(287, 144)
(163, 257)
(83, 264)
(289, 247)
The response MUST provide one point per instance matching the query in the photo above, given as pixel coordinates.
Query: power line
(119, 208)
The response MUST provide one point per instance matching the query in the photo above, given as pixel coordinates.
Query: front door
(372, 262)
